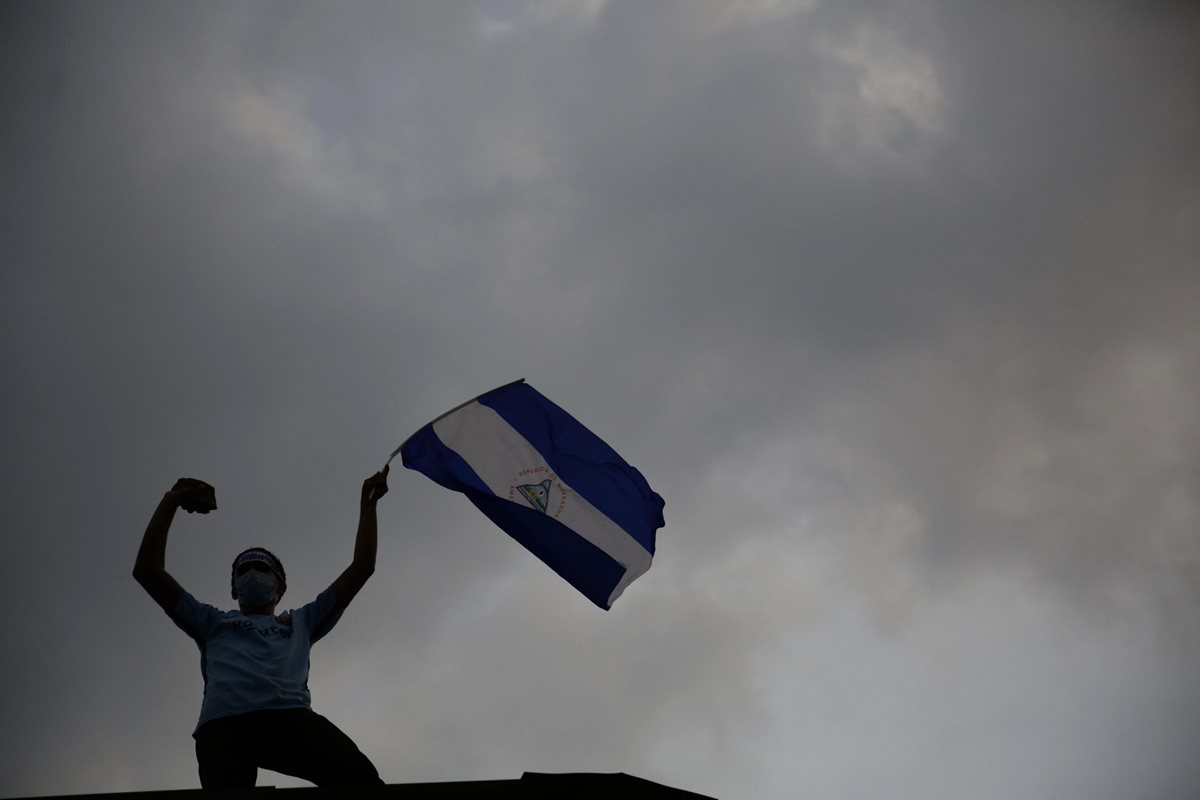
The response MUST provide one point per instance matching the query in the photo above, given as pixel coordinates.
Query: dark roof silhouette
(531, 786)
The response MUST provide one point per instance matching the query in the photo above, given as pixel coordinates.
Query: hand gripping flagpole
(440, 417)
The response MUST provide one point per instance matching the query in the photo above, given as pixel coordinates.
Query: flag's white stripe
(498, 452)
(631, 573)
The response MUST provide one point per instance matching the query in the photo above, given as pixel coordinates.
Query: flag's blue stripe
(582, 460)
(583, 565)
(425, 453)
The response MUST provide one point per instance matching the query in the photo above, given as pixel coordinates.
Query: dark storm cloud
(891, 302)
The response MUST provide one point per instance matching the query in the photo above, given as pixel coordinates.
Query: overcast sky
(894, 303)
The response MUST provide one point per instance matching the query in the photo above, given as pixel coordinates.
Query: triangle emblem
(536, 494)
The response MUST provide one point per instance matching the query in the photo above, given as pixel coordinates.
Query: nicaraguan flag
(548, 482)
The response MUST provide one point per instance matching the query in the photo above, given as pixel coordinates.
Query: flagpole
(440, 417)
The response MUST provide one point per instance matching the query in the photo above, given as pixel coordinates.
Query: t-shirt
(252, 662)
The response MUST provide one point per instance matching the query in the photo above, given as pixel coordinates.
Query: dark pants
(293, 741)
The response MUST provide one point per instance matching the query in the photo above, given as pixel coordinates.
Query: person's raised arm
(150, 567)
(355, 576)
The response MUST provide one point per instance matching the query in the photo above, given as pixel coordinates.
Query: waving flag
(548, 482)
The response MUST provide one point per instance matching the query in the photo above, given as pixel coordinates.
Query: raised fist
(375, 486)
(194, 495)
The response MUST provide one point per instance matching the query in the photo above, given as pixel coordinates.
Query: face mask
(255, 589)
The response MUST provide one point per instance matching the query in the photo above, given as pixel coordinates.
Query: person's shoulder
(195, 617)
(319, 607)
(316, 601)
(322, 614)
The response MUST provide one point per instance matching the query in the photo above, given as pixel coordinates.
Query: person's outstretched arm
(150, 568)
(355, 576)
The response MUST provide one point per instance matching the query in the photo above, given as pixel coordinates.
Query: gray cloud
(892, 303)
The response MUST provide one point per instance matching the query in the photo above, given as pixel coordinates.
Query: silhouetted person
(256, 710)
